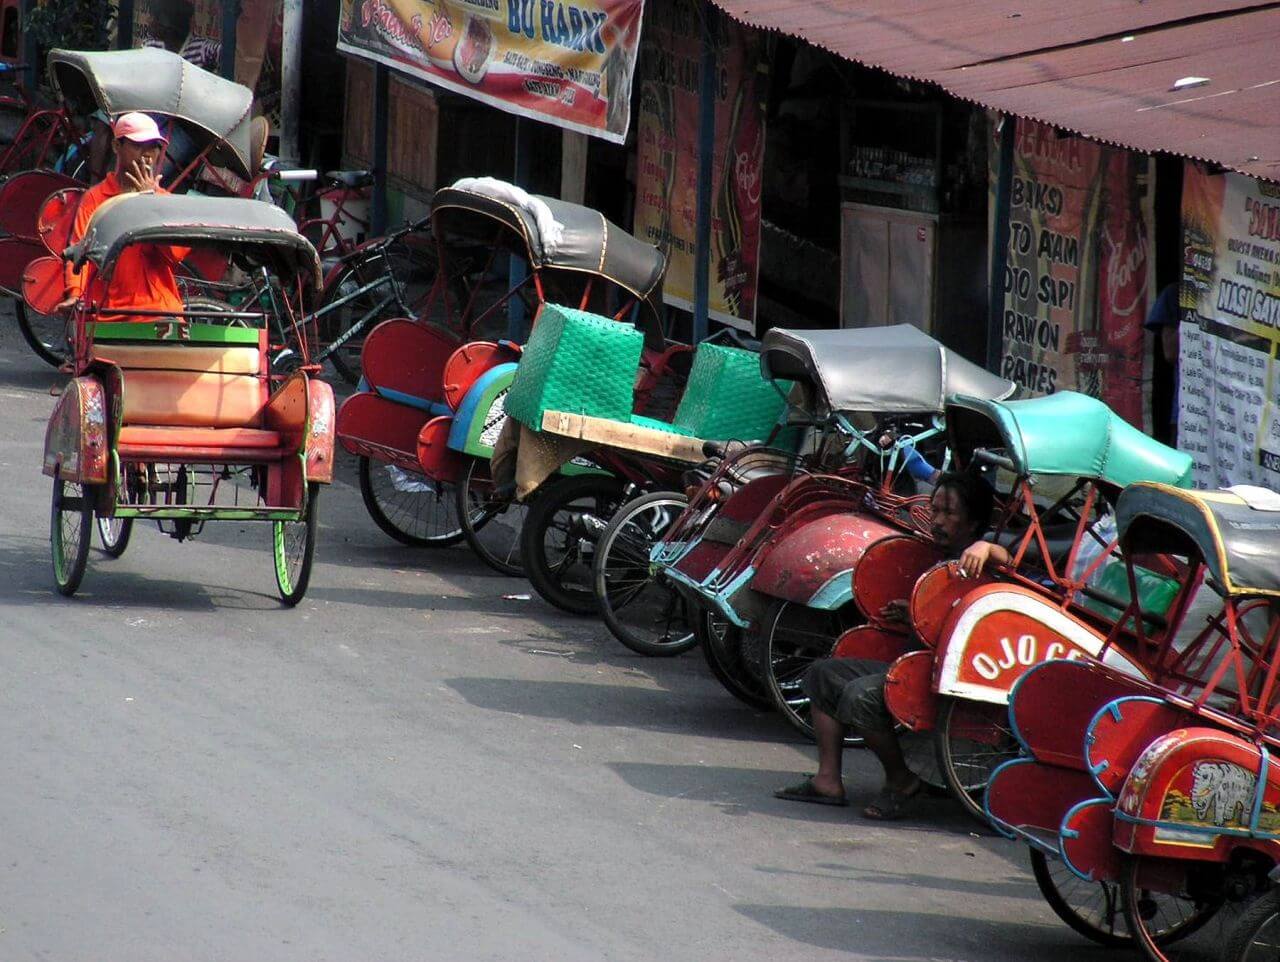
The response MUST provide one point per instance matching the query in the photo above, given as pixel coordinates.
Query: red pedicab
(1160, 789)
(185, 430)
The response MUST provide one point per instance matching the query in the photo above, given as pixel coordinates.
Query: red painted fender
(908, 694)
(321, 423)
(76, 437)
(813, 564)
(888, 571)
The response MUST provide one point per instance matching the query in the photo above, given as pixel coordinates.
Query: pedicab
(1064, 459)
(1158, 786)
(210, 116)
(180, 421)
(431, 405)
(766, 548)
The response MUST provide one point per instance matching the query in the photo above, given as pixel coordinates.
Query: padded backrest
(185, 385)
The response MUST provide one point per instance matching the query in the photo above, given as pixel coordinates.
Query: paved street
(411, 766)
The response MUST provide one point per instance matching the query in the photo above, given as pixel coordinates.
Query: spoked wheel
(408, 507)
(721, 644)
(1256, 937)
(559, 538)
(792, 638)
(70, 518)
(47, 334)
(491, 527)
(1094, 909)
(1168, 903)
(640, 609)
(114, 534)
(972, 740)
(293, 545)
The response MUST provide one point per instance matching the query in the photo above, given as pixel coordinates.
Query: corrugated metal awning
(1102, 68)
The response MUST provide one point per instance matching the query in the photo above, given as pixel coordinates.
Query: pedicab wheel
(114, 534)
(1159, 919)
(491, 527)
(560, 535)
(721, 644)
(972, 739)
(408, 507)
(1093, 909)
(1256, 935)
(46, 334)
(70, 517)
(639, 608)
(293, 546)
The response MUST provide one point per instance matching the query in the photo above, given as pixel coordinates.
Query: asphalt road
(411, 766)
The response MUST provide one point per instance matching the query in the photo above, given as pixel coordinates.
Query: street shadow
(1013, 887)
(904, 936)
(618, 706)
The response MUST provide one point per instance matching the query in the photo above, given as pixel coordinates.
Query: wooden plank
(628, 437)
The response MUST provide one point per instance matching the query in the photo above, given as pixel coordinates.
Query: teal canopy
(1063, 434)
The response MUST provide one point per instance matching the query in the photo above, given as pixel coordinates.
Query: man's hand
(895, 612)
(978, 555)
(140, 177)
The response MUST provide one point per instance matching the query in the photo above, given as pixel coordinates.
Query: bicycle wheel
(492, 528)
(1094, 909)
(972, 740)
(559, 537)
(47, 334)
(293, 546)
(1186, 898)
(721, 644)
(1256, 937)
(639, 607)
(408, 507)
(792, 637)
(375, 285)
(71, 514)
(114, 535)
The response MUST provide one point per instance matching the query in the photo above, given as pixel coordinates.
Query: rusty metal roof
(1102, 68)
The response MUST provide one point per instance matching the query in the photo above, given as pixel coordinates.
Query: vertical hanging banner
(1229, 394)
(1078, 274)
(667, 179)
(561, 62)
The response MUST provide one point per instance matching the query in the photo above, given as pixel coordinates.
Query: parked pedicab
(766, 548)
(180, 421)
(431, 408)
(210, 123)
(1157, 786)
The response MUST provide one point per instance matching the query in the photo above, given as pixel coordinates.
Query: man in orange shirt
(144, 274)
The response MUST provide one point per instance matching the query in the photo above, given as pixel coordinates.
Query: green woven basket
(577, 362)
(727, 399)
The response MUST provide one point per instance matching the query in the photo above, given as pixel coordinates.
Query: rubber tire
(608, 540)
(725, 667)
(1063, 910)
(292, 588)
(512, 566)
(1264, 912)
(546, 505)
(114, 547)
(972, 805)
(34, 341)
(389, 527)
(1149, 945)
(68, 575)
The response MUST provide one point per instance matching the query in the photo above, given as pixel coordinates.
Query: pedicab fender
(871, 643)
(1121, 731)
(998, 631)
(1198, 793)
(908, 691)
(813, 565)
(75, 441)
(888, 571)
(482, 413)
(321, 424)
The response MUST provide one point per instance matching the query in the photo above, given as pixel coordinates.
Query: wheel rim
(1094, 909)
(644, 607)
(492, 527)
(70, 533)
(1187, 925)
(1263, 944)
(46, 334)
(975, 739)
(797, 637)
(114, 534)
(290, 553)
(423, 511)
(723, 655)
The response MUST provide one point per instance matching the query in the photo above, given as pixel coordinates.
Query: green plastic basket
(727, 399)
(576, 362)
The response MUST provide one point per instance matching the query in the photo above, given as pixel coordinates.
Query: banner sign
(667, 182)
(1079, 272)
(1229, 394)
(564, 63)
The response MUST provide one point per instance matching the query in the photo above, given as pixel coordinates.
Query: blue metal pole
(230, 18)
(381, 115)
(517, 317)
(706, 156)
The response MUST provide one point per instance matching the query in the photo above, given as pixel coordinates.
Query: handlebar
(293, 175)
(998, 460)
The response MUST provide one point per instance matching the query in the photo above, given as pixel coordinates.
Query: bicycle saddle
(355, 179)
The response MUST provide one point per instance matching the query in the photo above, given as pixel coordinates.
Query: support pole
(517, 271)
(30, 51)
(230, 20)
(1000, 243)
(124, 24)
(291, 83)
(381, 115)
(706, 156)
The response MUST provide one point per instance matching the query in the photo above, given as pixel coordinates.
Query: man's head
(962, 504)
(138, 140)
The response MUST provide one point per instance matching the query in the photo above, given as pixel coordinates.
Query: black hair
(974, 493)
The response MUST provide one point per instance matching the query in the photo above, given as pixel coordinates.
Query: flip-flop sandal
(805, 792)
(889, 805)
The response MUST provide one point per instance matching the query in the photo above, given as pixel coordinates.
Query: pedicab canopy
(213, 111)
(1066, 434)
(554, 234)
(889, 370)
(254, 233)
(1235, 531)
